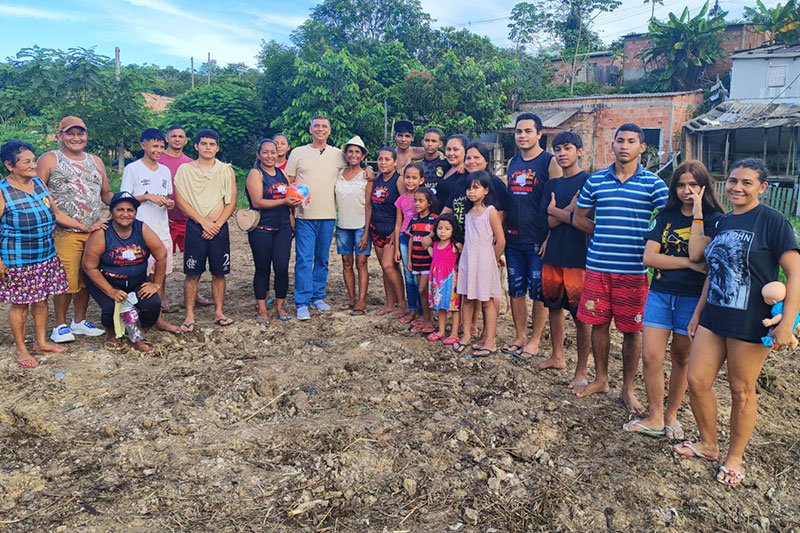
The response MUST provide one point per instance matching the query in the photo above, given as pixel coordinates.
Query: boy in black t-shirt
(564, 261)
(434, 164)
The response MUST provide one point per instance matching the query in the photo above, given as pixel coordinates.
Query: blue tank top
(26, 225)
(125, 259)
(274, 189)
(384, 213)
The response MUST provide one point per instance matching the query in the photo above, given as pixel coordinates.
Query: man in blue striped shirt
(625, 197)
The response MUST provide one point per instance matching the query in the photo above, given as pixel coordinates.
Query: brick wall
(737, 37)
(599, 117)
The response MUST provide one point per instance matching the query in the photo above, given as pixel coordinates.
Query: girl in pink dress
(478, 272)
(442, 295)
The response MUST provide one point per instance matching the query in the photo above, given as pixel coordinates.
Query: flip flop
(734, 478)
(345, 307)
(450, 341)
(357, 312)
(459, 348)
(260, 320)
(283, 315)
(113, 346)
(187, 327)
(674, 432)
(636, 426)
(483, 352)
(224, 321)
(435, 337)
(694, 452)
(423, 329)
(511, 349)
(142, 347)
(523, 355)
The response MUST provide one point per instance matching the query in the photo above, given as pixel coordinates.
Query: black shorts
(198, 250)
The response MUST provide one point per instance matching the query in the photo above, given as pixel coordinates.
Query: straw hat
(355, 141)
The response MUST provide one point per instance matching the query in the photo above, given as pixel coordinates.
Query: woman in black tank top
(115, 264)
(385, 192)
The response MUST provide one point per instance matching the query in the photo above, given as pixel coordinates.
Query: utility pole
(192, 72)
(208, 71)
(121, 145)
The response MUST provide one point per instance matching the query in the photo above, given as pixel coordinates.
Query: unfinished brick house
(596, 118)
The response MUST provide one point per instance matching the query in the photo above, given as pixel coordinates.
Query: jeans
(412, 289)
(312, 244)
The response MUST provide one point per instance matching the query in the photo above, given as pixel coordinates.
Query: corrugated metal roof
(607, 97)
(552, 117)
(778, 50)
(735, 114)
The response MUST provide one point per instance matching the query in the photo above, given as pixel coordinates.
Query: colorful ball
(300, 191)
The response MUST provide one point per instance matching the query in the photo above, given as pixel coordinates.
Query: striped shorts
(621, 296)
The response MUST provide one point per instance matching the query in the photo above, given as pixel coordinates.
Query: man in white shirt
(151, 184)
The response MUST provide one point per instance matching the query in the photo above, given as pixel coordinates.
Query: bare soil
(350, 423)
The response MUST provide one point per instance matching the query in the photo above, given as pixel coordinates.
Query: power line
(483, 21)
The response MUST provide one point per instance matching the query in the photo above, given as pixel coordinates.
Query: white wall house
(767, 74)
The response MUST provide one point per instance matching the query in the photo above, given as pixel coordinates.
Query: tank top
(526, 180)
(76, 186)
(384, 213)
(350, 201)
(26, 225)
(125, 259)
(274, 188)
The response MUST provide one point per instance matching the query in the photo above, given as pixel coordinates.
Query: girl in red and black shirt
(419, 262)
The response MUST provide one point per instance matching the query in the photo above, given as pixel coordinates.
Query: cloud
(32, 12)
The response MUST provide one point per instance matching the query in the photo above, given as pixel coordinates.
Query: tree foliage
(683, 47)
(234, 111)
(781, 23)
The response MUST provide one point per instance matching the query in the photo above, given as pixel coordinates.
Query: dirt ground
(350, 424)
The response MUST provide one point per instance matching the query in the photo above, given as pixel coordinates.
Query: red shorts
(379, 241)
(621, 296)
(177, 230)
(562, 287)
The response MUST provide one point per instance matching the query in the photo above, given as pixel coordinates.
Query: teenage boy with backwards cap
(564, 260)
(79, 186)
(403, 137)
(206, 191)
(151, 184)
(624, 196)
(526, 230)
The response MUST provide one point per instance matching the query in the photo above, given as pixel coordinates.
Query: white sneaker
(62, 333)
(86, 328)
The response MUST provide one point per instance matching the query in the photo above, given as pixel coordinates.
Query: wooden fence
(779, 198)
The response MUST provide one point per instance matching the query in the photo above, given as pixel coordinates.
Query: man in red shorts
(624, 196)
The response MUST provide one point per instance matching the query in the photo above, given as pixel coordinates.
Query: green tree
(341, 87)
(232, 110)
(359, 25)
(683, 47)
(781, 23)
(276, 87)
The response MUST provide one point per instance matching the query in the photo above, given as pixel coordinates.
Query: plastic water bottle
(130, 317)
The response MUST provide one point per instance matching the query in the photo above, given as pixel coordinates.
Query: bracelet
(156, 285)
(697, 220)
(571, 217)
(696, 235)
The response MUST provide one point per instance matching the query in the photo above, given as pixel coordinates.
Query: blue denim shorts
(668, 311)
(347, 241)
(524, 267)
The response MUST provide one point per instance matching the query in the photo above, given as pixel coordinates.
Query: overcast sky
(170, 32)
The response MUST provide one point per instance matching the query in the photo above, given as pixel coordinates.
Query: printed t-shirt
(203, 189)
(138, 180)
(418, 229)
(743, 257)
(384, 213)
(433, 170)
(566, 244)
(274, 188)
(671, 229)
(318, 169)
(459, 203)
(623, 211)
(172, 163)
(75, 187)
(526, 180)
(447, 186)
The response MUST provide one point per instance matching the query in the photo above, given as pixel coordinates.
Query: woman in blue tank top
(115, 264)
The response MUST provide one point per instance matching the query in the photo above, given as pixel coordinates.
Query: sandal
(450, 341)
(113, 346)
(435, 337)
(223, 321)
(187, 327)
(730, 478)
(283, 315)
(674, 432)
(357, 312)
(523, 355)
(483, 352)
(511, 348)
(693, 452)
(458, 347)
(406, 319)
(636, 426)
(261, 321)
(142, 346)
(346, 306)
(423, 328)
